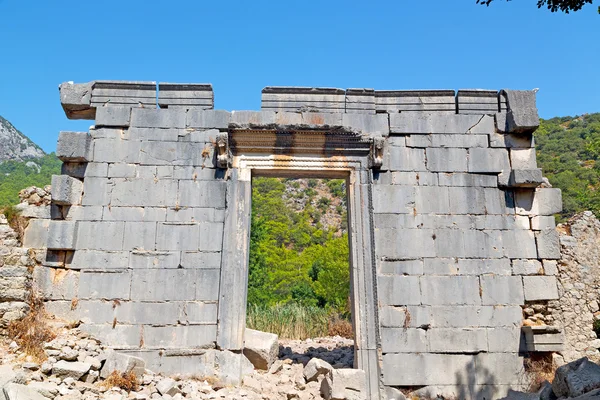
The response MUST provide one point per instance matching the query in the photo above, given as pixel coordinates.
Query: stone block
(123, 363)
(501, 290)
(550, 267)
(500, 266)
(157, 313)
(540, 222)
(70, 369)
(118, 336)
(208, 119)
(404, 340)
(398, 290)
(74, 147)
(120, 170)
(541, 201)
(399, 158)
(163, 285)
(252, 119)
(511, 372)
(493, 316)
(426, 123)
(134, 214)
(155, 259)
(527, 267)
(449, 243)
(178, 153)
(523, 159)
(519, 244)
(483, 244)
(349, 384)
(199, 336)
(404, 243)
(36, 234)
(393, 199)
(453, 340)
(199, 313)
(525, 178)
(401, 317)
(449, 290)
(447, 160)
(548, 244)
(261, 348)
(104, 285)
(203, 260)
(522, 115)
(540, 288)
(505, 339)
(466, 200)
(498, 201)
(321, 119)
(96, 170)
(207, 284)
(431, 200)
(62, 235)
(139, 236)
(100, 235)
(113, 116)
(315, 368)
(371, 124)
(66, 190)
(56, 283)
(488, 160)
(158, 118)
(102, 260)
(144, 193)
(177, 236)
(75, 100)
(425, 369)
(401, 267)
(209, 194)
(117, 150)
(73, 169)
(465, 179)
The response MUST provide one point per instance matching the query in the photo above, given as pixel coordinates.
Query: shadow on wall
(468, 386)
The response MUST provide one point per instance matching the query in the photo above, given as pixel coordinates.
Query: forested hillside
(17, 175)
(299, 243)
(568, 151)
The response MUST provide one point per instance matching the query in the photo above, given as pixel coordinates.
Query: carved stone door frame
(314, 154)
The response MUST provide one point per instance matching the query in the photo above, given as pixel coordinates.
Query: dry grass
(32, 331)
(123, 380)
(340, 327)
(538, 369)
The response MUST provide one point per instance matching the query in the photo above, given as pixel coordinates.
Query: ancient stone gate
(450, 225)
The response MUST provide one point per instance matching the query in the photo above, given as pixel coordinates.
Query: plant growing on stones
(32, 331)
(123, 380)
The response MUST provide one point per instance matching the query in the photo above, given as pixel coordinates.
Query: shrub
(32, 331)
(123, 380)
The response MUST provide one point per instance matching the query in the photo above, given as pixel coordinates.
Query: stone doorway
(309, 155)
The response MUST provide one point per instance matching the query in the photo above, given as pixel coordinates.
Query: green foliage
(17, 175)
(568, 151)
(293, 259)
(554, 5)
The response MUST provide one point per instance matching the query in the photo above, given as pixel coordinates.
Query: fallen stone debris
(80, 367)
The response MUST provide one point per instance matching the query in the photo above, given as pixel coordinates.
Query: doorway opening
(299, 275)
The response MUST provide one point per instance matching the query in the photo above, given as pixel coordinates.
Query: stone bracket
(223, 152)
(376, 154)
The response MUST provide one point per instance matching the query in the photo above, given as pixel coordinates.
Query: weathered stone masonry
(451, 232)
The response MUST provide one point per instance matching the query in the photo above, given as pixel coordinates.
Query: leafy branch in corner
(554, 5)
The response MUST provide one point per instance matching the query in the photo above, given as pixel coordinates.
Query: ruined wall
(579, 286)
(17, 259)
(461, 243)
(451, 228)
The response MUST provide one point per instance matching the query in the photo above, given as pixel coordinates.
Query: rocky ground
(77, 365)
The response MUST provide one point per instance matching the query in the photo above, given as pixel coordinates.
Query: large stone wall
(579, 287)
(451, 228)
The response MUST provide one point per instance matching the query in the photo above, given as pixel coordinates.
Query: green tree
(565, 6)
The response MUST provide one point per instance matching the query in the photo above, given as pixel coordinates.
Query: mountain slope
(14, 145)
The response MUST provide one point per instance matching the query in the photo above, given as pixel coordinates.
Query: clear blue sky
(242, 46)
